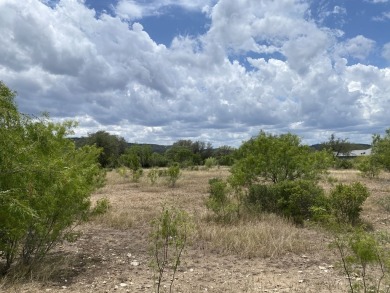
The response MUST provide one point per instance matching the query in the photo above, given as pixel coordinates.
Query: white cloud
(378, 1)
(112, 75)
(385, 16)
(132, 9)
(129, 10)
(386, 51)
(358, 47)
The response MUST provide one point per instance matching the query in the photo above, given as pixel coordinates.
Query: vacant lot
(267, 254)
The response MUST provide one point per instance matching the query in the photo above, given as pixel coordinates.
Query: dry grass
(252, 255)
(268, 236)
(136, 204)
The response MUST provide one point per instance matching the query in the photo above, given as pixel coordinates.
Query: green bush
(45, 184)
(296, 199)
(369, 167)
(365, 260)
(173, 173)
(226, 207)
(381, 150)
(137, 174)
(277, 158)
(343, 164)
(153, 175)
(218, 199)
(101, 207)
(170, 231)
(210, 162)
(262, 198)
(291, 199)
(346, 201)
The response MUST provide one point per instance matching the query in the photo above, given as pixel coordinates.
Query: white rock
(123, 284)
(129, 255)
(322, 268)
(300, 281)
(134, 263)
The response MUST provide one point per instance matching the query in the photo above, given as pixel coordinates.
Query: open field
(267, 254)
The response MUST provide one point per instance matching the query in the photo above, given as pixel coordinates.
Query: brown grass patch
(268, 236)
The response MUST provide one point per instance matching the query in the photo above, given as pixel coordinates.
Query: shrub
(343, 163)
(346, 201)
(137, 174)
(369, 167)
(173, 174)
(45, 183)
(365, 260)
(123, 172)
(210, 162)
(381, 150)
(296, 198)
(218, 200)
(153, 175)
(291, 199)
(170, 231)
(275, 158)
(262, 198)
(101, 207)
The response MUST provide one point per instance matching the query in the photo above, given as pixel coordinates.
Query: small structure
(354, 154)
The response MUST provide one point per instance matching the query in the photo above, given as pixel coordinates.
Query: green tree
(277, 158)
(381, 150)
(158, 160)
(224, 155)
(337, 145)
(200, 150)
(180, 154)
(143, 152)
(45, 183)
(113, 147)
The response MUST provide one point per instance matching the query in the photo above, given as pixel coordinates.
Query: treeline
(117, 152)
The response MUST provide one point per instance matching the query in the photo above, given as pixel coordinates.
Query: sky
(218, 71)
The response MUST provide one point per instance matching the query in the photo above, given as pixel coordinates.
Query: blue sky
(218, 71)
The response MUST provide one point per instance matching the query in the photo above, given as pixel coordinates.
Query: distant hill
(354, 146)
(155, 147)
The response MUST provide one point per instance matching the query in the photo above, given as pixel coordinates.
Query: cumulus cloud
(378, 1)
(358, 47)
(106, 71)
(386, 51)
(132, 10)
(385, 16)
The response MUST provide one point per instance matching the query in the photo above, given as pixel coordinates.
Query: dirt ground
(112, 255)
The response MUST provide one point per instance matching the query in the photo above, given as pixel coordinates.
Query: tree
(200, 150)
(224, 155)
(113, 147)
(277, 158)
(180, 154)
(158, 160)
(381, 150)
(143, 152)
(338, 146)
(45, 183)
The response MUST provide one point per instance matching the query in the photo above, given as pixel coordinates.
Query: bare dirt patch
(265, 255)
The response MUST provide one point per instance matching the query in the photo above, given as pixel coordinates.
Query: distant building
(354, 154)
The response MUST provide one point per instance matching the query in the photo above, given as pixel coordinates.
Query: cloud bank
(260, 65)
